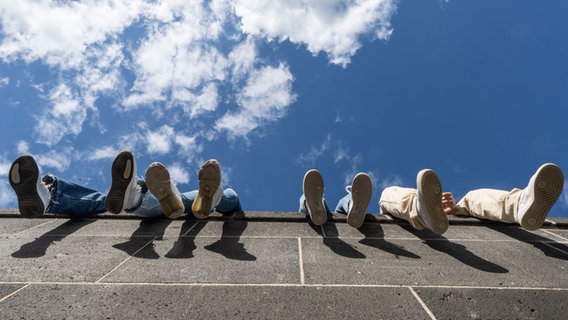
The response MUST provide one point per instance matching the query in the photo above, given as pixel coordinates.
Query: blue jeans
(73, 200)
(342, 205)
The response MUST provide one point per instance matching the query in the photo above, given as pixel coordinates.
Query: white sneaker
(313, 193)
(361, 192)
(159, 182)
(33, 195)
(429, 201)
(539, 196)
(124, 191)
(209, 182)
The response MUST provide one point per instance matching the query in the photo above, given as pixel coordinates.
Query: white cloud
(58, 32)
(107, 152)
(309, 158)
(179, 174)
(4, 82)
(59, 160)
(159, 141)
(23, 147)
(7, 195)
(265, 97)
(65, 118)
(334, 27)
(391, 181)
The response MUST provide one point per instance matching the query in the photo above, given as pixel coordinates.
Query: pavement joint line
(301, 261)
(553, 247)
(35, 227)
(13, 293)
(556, 235)
(292, 285)
(188, 231)
(127, 259)
(424, 306)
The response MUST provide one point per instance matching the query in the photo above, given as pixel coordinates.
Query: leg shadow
(38, 247)
(330, 236)
(374, 237)
(229, 245)
(141, 242)
(548, 246)
(455, 250)
(184, 245)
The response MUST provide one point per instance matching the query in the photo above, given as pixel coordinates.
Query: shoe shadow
(141, 242)
(331, 239)
(38, 247)
(374, 237)
(185, 244)
(455, 250)
(548, 246)
(229, 245)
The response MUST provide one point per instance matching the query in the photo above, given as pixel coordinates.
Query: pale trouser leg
(490, 204)
(401, 203)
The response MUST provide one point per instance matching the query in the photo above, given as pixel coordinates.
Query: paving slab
(432, 262)
(210, 302)
(465, 303)
(208, 260)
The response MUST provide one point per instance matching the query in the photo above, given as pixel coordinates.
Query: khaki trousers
(491, 204)
(401, 203)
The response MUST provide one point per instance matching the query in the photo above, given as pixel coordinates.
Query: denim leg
(229, 201)
(303, 208)
(343, 204)
(149, 207)
(70, 199)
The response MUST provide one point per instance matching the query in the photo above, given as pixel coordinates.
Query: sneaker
(429, 201)
(209, 182)
(313, 192)
(539, 196)
(124, 191)
(159, 182)
(33, 196)
(361, 192)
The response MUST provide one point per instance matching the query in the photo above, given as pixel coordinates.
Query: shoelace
(348, 189)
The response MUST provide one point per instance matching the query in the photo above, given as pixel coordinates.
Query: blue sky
(476, 90)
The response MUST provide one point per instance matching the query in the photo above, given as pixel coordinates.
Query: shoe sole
(23, 177)
(158, 181)
(547, 188)
(122, 173)
(209, 181)
(431, 189)
(313, 192)
(361, 192)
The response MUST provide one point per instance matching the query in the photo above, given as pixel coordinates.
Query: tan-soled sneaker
(361, 192)
(159, 182)
(313, 193)
(209, 182)
(33, 196)
(536, 200)
(429, 201)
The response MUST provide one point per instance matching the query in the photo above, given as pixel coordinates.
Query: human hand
(448, 203)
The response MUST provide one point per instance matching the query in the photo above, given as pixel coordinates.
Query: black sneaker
(33, 196)
(123, 172)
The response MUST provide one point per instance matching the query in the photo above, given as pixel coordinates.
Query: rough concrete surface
(275, 265)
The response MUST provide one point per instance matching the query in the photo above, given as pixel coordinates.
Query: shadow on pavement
(548, 246)
(455, 250)
(229, 245)
(141, 242)
(38, 247)
(331, 239)
(374, 237)
(184, 245)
